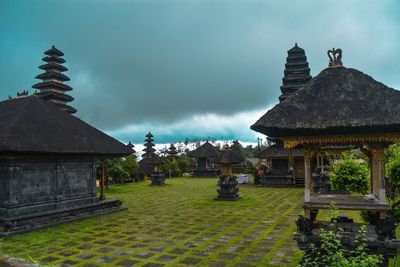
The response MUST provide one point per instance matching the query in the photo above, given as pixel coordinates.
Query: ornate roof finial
(295, 44)
(335, 58)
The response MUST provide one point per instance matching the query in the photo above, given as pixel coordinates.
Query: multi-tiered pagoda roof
(172, 151)
(131, 147)
(52, 87)
(297, 72)
(149, 151)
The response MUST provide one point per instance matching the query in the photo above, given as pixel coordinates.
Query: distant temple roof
(30, 125)
(229, 157)
(297, 72)
(149, 151)
(206, 150)
(155, 159)
(172, 151)
(276, 151)
(339, 100)
(131, 147)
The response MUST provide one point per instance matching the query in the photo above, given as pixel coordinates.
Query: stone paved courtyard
(176, 225)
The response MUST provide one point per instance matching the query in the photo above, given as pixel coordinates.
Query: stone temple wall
(40, 186)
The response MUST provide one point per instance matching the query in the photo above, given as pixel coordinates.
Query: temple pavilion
(52, 87)
(340, 107)
(48, 166)
(205, 156)
(286, 165)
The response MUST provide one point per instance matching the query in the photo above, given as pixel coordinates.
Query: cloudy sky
(189, 68)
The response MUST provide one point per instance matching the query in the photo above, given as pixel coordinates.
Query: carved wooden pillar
(102, 195)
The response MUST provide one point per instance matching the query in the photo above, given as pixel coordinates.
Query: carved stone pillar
(307, 174)
(378, 171)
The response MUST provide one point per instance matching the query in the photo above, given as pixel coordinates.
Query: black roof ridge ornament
(335, 58)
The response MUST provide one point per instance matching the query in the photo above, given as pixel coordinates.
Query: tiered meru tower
(297, 72)
(172, 151)
(149, 151)
(52, 87)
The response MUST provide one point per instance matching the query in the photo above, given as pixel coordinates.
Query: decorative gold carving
(291, 142)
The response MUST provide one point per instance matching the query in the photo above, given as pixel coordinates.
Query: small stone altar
(228, 188)
(227, 183)
(157, 178)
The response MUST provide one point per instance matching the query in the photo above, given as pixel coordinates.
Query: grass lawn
(179, 224)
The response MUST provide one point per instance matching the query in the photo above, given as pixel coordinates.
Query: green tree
(350, 175)
(117, 173)
(185, 163)
(172, 168)
(392, 171)
(130, 165)
(117, 170)
(237, 147)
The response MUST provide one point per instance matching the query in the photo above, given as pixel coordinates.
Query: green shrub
(392, 171)
(130, 165)
(171, 166)
(349, 175)
(331, 253)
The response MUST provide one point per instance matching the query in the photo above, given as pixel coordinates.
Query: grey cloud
(160, 61)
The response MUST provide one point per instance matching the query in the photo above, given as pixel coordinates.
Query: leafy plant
(171, 166)
(330, 251)
(392, 171)
(350, 175)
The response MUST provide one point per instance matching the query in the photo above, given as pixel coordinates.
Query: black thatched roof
(65, 107)
(337, 101)
(55, 95)
(275, 151)
(52, 75)
(172, 150)
(154, 160)
(131, 147)
(53, 65)
(51, 85)
(53, 51)
(54, 59)
(206, 150)
(31, 125)
(229, 157)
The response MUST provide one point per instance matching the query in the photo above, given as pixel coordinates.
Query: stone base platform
(22, 224)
